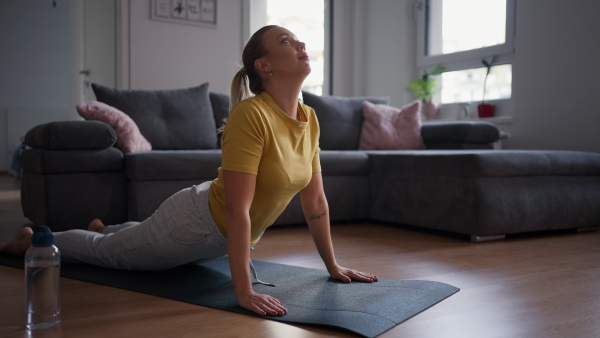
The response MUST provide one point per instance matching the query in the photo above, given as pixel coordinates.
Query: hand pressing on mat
(240, 189)
(347, 275)
(261, 304)
(316, 211)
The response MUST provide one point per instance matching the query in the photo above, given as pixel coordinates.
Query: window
(459, 34)
(308, 19)
(467, 85)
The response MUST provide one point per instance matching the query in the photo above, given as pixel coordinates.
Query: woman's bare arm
(239, 193)
(316, 211)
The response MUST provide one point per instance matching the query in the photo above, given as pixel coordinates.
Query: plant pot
(430, 110)
(486, 110)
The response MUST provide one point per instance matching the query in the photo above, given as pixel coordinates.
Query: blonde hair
(240, 88)
(247, 80)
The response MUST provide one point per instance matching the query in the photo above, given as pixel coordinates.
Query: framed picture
(193, 12)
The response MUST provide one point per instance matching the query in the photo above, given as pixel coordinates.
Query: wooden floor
(542, 285)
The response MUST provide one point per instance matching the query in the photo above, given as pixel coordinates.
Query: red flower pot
(486, 110)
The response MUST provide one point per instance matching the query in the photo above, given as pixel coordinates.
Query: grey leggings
(181, 231)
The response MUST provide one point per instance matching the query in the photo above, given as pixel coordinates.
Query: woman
(270, 153)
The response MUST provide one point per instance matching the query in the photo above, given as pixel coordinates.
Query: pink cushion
(129, 138)
(387, 128)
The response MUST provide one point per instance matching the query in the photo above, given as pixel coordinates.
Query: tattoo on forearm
(316, 217)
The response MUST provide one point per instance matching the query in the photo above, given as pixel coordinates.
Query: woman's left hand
(347, 275)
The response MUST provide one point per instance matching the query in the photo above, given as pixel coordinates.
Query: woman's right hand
(261, 304)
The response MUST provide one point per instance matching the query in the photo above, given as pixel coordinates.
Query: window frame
(504, 53)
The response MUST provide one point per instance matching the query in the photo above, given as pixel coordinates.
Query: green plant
(488, 65)
(424, 87)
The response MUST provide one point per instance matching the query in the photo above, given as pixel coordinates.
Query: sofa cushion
(170, 119)
(71, 135)
(172, 165)
(129, 138)
(220, 105)
(460, 132)
(340, 119)
(43, 161)
(487, 163)
(387, 128)
(344, 162)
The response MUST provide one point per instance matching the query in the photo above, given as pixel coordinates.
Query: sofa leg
(479, 239)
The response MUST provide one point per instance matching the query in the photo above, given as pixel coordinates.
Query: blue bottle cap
(42, 236)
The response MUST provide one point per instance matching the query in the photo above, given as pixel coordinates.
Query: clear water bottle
(42, 276)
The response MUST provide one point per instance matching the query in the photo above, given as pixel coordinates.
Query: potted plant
(423, 89)
(486, 109)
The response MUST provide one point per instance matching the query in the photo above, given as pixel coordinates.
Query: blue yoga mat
(311, 297)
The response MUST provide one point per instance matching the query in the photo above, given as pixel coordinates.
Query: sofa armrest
(73, 174)
(62, 135)
(460, 135)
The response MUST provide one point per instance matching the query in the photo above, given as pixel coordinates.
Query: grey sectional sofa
(72, 173)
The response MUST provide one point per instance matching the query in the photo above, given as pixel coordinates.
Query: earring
(270, 72)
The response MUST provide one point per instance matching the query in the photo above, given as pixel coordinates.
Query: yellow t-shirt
(260, 139)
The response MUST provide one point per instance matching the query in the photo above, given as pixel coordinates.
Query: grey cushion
(220, 104)
(172, 165)
(458, 145)
(169, 119)
(340, 119)
(71, 135)
(460, 132)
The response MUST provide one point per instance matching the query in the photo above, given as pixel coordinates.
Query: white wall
(556, 76)
(34, 59)
(165, 55)
(390, 44)
(348, 66)
(34, 67)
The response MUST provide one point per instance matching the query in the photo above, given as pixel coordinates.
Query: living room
(373, 54)
(373, 45)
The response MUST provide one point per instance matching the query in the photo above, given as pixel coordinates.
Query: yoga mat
(310, 296)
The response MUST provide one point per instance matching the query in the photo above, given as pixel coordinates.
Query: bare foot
(18, 245)
(96, 226)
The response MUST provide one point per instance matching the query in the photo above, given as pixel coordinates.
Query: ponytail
(247, 80)
(240, 90)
